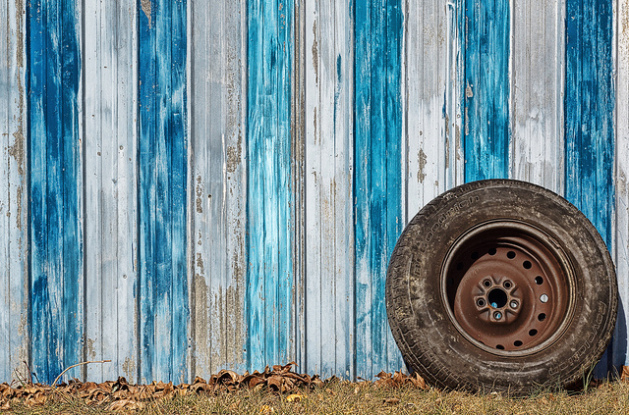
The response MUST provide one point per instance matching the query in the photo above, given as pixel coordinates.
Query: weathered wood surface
(218, 184)
(14, 289)
(111, 188)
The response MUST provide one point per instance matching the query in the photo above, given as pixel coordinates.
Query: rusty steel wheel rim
(508, 288)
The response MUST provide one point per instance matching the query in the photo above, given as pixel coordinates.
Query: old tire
(501, 285)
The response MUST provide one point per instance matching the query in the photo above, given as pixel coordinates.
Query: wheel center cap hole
(497, 298)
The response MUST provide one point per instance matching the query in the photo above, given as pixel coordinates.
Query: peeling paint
(202, 324)
(199, 195)
(128, 368)
(421, 160)
(234, 155)
(315, 51)
(91, 352)
(200, 266)
(147, 9)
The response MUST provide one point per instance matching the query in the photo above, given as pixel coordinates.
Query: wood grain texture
(486, 50)
(217, 183)
(55, 188)
(537, 90)
(329, 294)
(14, 287)
(111, 244)
(589, 117)
(378, 189)
(270, 310)
(430, 111)
(164, 310)
(620, 224)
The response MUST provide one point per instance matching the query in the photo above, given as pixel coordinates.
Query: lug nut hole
(487, 283)
(480, 302)
(507, 284)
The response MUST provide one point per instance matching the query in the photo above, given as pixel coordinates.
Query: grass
(352, 398)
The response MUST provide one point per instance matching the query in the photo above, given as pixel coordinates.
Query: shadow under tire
(501, 285)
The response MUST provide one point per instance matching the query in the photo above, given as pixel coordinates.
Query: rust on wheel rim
(507, 287)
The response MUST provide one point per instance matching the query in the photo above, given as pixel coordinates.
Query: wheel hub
(506, 289)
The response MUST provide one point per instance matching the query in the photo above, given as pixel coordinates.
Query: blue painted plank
(485, 29)
(164, 305)
(589, 118)
(378, 175)
(54, 69)
(270, 201)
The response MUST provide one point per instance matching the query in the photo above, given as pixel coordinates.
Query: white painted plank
(328, 184)
(426, 74)
(342, 192)
(111, 187)
(621, 223)
(537, 72)
(13, 195)
(217, 185)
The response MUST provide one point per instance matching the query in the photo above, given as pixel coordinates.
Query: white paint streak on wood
(328, 182)
(110, 67)
(621, 223)
(537, 101)
(217, 183)
(455, 165)
(425, 86)
(432, 113)
(13, 194)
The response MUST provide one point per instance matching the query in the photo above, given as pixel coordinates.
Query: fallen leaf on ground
(294, 397)
(266, 409)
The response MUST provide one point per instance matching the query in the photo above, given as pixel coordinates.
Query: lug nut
(497, 315)
(513, 304)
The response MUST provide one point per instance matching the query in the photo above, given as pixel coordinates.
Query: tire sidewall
(422, 327)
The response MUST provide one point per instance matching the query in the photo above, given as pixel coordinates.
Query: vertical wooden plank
(589, 116)
(162, 183)
(486, 96)
(537, 82)
(55, 188)
(111, 190)
(621, 179)
(218, 185)
(13, 195)
(270, 227)
(329, 214)
(378, 189)
(427, 121)
(454, 103)
(298, 167)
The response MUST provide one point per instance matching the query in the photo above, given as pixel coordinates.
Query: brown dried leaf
(624, 376)
(275, 383)
(125, 405)
(391, 401)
